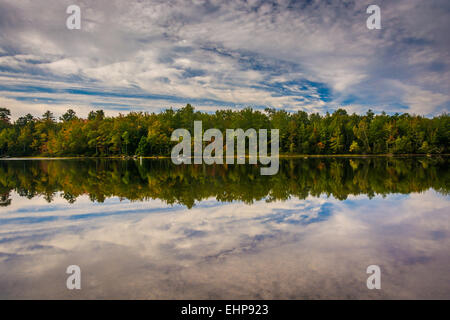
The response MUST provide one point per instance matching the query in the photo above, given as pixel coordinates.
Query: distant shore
(283, 156)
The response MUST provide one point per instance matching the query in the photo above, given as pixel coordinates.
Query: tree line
(148, 134)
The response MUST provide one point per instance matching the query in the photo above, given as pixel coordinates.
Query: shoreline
(282, 156)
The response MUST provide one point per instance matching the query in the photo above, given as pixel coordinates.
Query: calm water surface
(154, 230)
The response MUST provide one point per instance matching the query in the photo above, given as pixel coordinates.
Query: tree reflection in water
(188, 184)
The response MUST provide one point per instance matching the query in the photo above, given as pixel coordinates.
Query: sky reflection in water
(317, 247)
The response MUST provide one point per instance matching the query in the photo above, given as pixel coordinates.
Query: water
(153, 230)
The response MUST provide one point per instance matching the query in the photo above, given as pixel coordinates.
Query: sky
(315, 56)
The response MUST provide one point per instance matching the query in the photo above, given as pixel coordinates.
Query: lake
(148, 229)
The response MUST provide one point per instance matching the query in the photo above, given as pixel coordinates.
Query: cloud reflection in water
(313, 248)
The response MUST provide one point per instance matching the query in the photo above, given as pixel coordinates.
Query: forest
(148, 134)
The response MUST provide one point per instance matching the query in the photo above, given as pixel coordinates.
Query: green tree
(354, 147)
(5, 116)
(68, 116)
(48, 116)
